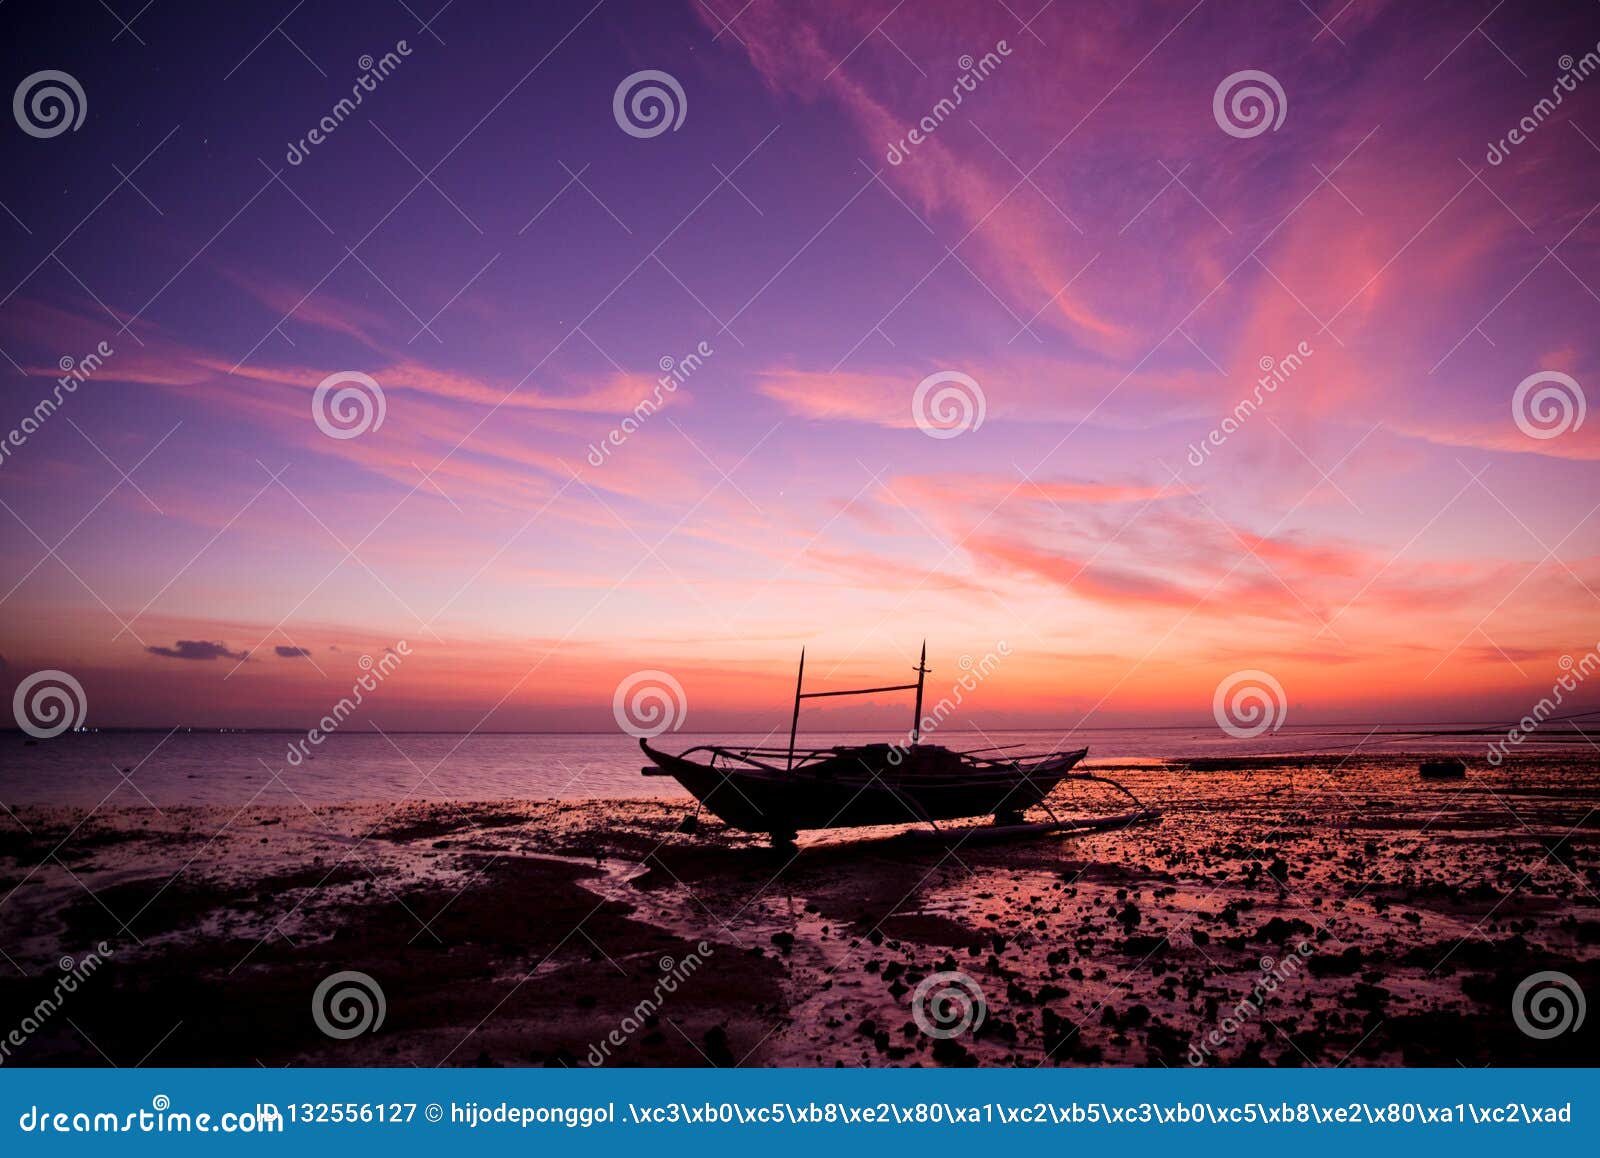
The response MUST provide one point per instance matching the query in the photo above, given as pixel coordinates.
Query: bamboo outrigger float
(784, 791)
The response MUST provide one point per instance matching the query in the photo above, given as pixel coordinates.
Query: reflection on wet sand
(1337, 911)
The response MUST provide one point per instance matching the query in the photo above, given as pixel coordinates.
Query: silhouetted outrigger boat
(784, 791)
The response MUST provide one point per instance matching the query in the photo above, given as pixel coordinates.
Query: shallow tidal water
(1397, 919)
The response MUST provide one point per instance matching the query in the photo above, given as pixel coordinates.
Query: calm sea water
(131, 769)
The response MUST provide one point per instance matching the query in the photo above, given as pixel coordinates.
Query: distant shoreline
(1334, 729)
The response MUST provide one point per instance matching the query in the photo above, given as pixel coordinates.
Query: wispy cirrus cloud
(1021, 390)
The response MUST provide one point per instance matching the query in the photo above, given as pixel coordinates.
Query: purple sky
(1080, 237)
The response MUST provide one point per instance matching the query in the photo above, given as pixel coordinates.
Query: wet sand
(1396, 917)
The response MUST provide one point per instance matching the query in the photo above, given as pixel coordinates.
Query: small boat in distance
(1445, 768)
(784, 791)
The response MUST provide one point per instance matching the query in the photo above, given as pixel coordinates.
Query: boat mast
(794, 723)
(799, 681)
(916, 719)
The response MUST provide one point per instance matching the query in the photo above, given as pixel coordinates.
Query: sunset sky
(1080, 237)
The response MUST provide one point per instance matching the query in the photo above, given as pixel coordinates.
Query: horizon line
(227, 729)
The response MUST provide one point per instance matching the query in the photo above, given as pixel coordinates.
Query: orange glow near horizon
(1237, 402)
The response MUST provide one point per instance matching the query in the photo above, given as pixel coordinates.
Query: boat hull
(864, 787)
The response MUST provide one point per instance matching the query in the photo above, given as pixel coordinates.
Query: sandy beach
(1395, 918)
